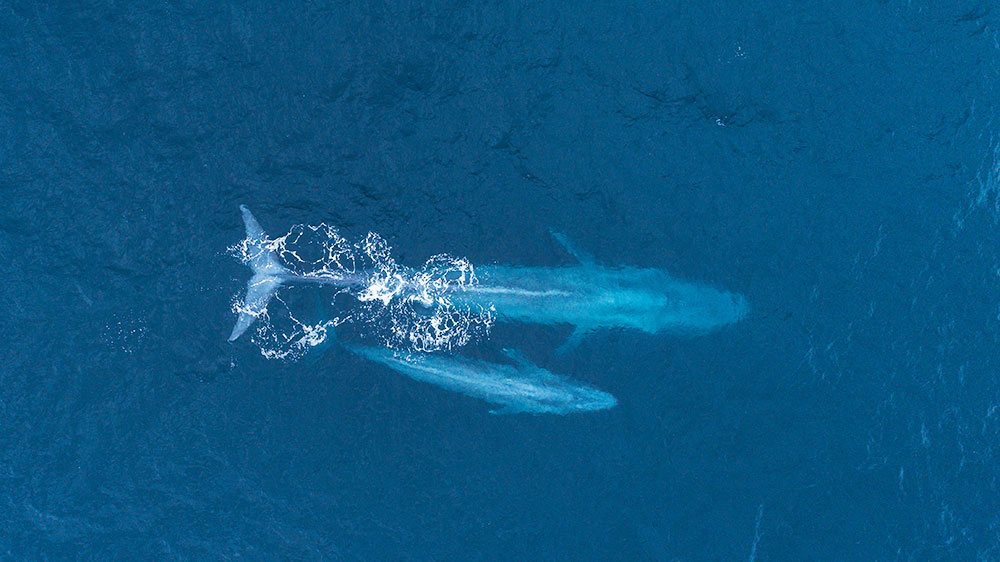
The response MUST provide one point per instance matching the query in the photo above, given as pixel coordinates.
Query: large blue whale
(590, 296)
(587, 296)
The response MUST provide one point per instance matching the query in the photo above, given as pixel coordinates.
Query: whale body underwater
(586, 295)
(521, 387)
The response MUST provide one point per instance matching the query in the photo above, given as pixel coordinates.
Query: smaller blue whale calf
(520, 387)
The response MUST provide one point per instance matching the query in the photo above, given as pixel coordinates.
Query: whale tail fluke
(268, 274)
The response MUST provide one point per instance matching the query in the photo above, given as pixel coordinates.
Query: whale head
(590, 400)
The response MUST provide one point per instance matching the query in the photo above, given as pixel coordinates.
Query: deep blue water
(837, 164)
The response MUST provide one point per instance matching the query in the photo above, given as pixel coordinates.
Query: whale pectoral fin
(581, 256)
(573, 340)
(507, 410)
(517, 357)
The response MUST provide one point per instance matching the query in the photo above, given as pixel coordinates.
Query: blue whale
(586, 295)
(520, 387)
(590, 297)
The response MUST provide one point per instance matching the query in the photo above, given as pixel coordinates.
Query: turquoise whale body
(520, 387)
(587, 296)
(590, 297)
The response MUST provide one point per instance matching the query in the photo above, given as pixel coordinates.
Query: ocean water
(838, 165)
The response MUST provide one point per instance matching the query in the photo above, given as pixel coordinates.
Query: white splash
(404, 308)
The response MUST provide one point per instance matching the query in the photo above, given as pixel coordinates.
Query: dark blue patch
(835, 163)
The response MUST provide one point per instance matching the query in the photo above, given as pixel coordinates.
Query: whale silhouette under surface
(521, 387)
(586, 295)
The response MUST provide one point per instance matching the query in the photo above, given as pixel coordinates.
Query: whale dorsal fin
(581, 256)
(528, 368)
(517, 357)
(573, 340)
